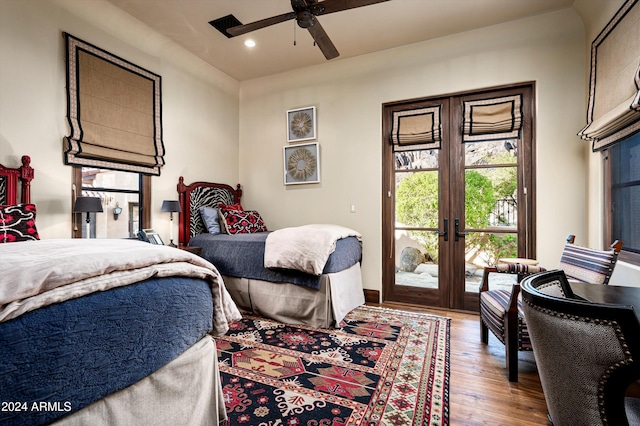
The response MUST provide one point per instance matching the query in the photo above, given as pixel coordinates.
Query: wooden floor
(480, 393)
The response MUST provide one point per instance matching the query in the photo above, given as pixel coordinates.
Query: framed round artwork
(302, 164)
(301, 124)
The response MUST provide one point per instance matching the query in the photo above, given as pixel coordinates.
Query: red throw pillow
(236, 206)
(243, 221)
(18, 223)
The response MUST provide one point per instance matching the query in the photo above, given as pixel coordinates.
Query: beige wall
(349, 93)
(200, 104)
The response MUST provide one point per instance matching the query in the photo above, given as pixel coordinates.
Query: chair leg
(484, 333)
(512, 362)
(511, 348)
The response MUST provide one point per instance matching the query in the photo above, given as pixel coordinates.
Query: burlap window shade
(614, 95)
(492, 119)
(417, 129)
(114, 111)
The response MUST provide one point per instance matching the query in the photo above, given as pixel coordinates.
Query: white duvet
(34, 274)
(305, 248)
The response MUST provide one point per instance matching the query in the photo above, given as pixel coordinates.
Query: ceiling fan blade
(323, 41)
(247, 28)
(331, 6)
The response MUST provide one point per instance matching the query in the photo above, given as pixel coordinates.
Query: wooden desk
(614, 294)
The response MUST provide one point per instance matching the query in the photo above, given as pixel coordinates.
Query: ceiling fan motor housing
(305, 19)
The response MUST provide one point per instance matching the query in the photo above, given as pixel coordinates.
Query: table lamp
(171, 206)
(88, 205)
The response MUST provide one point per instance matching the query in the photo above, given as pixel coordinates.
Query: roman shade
(614, 95)
(492, 119)
(114, 111)
(416, 129)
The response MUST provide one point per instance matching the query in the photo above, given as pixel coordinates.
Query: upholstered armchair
(501, 309)
(587, 354)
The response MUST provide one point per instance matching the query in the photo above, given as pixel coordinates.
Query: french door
(458, 191)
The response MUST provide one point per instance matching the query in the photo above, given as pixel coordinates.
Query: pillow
(209, 216)
(236, 206)
(18, 223)
(223, 207)
(243, 221)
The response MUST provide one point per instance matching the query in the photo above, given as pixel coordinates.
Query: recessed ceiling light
(249, 43)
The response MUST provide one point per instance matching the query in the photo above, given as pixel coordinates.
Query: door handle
(457, 229)
(444, 233)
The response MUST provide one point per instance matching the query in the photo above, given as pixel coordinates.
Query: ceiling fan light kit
(305, 13)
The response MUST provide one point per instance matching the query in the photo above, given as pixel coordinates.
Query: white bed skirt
(339, 293)
(187, 391)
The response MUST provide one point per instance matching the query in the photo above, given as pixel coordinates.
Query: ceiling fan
(305, 12)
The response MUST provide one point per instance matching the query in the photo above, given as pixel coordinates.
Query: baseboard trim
(371, 296)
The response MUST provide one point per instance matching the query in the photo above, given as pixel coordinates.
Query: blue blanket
(242, 255)
(61, 358)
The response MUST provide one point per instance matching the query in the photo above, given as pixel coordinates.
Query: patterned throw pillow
(221, 219)
(18, 223)
(243, 221)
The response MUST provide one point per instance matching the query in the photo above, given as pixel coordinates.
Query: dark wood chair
(587, 354)
(501, 309)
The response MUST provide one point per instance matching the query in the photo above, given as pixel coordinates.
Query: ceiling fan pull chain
(294, 32)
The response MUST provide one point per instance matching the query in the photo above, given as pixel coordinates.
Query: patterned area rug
(382, 367)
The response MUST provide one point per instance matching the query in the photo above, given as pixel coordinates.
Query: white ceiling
(354, 32)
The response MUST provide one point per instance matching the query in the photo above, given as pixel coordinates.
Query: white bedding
(39, 273)
(304, 248)
(187, 391)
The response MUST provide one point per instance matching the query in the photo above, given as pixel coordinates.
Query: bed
(320, 296)
(105, 332)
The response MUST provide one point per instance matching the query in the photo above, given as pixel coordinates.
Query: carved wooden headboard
(9, 179)
(201, 194)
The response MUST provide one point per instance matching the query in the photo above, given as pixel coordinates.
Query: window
(622, 194)
(125, 200)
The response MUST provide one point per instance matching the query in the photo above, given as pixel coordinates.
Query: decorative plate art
(301, 124)
(301, 164)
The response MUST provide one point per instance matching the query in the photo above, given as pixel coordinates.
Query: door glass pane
(491, 198)
(416, 242)
(491, 152)
(416, 258)
(417, 200)
(483, 249)
(412, 160)
(416, 220)
(491, 204)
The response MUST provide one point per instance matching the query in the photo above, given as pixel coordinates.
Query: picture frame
(301, 124)
(302, 163)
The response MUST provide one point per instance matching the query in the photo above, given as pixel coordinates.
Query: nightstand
(195, 250)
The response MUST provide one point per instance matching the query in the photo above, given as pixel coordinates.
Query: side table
(191, 249)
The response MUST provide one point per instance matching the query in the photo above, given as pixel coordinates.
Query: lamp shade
(172, 206)
(88, 204)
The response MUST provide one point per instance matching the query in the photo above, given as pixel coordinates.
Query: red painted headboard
(201, 194)
(9, 183)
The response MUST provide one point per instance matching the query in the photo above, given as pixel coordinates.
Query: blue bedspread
(242, 255)
(61, 358)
